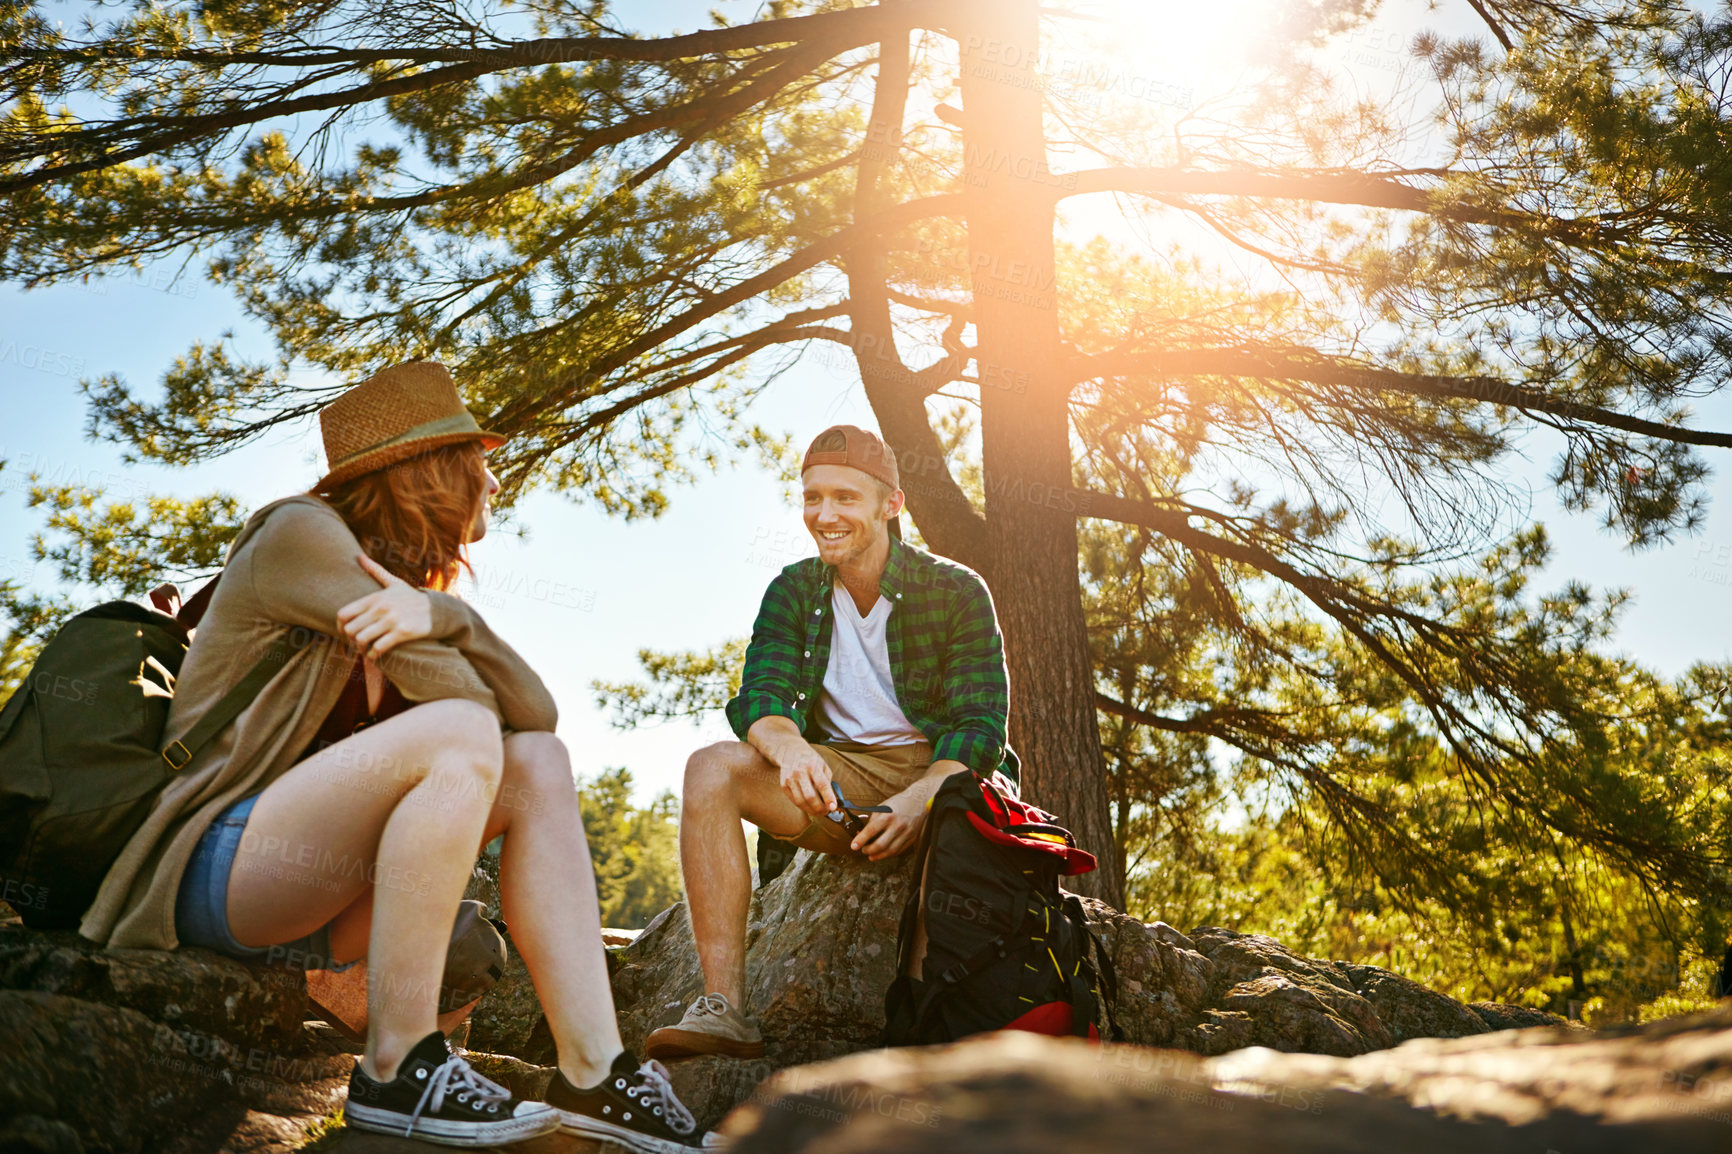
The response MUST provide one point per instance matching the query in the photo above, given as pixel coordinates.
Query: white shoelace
(457, 1076)
(716, 1004)
(658, 1091)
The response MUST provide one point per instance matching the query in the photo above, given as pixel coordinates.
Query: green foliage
(115, 548)
(1272, 771)
(1566, 936)
(634, 849)
(687, 684)
(325, 1133)
(30, 620)
(131, 547)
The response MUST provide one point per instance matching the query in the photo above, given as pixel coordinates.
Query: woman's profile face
(478, 529)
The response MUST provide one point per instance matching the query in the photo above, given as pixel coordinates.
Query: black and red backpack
(1006, 949)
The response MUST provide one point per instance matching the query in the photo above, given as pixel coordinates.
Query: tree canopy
(1247, 501)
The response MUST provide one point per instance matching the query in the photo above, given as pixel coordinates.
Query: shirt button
(818, 612)
(808, 653)
(802, 697)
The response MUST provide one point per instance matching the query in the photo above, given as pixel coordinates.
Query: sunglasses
(851, 816)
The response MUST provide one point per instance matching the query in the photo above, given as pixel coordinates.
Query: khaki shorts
(867, 774)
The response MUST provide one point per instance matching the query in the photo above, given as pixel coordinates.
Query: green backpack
(83, 751)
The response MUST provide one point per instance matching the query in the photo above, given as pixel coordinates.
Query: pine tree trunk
(1025, 431)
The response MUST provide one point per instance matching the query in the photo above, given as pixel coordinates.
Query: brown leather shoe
(711, 1026)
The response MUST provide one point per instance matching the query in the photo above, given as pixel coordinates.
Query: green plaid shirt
(946, 656)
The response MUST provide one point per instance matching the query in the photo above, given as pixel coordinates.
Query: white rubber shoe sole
(584, 1126)
(444, 1132)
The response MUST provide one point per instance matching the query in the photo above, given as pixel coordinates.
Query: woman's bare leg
(547, 889)
(399, 807)
(351, 929)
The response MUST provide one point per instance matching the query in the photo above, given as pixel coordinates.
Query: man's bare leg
(726, 783)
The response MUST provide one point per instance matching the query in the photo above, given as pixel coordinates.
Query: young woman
(343, 811)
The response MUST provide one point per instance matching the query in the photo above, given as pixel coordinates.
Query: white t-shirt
(858, 702)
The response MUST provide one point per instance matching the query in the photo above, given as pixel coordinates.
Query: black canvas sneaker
(437, 1098)
(634, 1107)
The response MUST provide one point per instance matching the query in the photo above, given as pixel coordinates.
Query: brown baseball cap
(858, 449)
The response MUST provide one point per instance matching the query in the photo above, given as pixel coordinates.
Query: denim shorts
(201, 907)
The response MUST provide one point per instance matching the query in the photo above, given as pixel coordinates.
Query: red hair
(414, 517)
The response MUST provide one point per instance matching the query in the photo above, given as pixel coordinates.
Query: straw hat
(393, 415)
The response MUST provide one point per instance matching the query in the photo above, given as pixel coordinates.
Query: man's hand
(889, 834)
(804, 775)
(379, 622)
(806, 781)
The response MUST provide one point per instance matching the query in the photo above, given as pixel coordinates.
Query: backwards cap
(858, 449)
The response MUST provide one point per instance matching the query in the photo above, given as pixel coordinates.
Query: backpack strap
(1102, 967)
(908, 1011)
(941, 800)
(899, 1014)
(935, 989)
(904, 1010)
(179, 753)
(192, 609)
(1082, 1005)
(188, 611)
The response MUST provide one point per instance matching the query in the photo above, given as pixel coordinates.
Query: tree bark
(947, 521)
(1025, 430)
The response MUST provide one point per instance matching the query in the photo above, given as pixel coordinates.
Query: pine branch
(835, 245)
(1277, 365)
(1491, 22)
(848, 28)
(1329, 186)
(708, 107)
(1207, 722)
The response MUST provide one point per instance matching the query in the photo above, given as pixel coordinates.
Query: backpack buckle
(185, 756)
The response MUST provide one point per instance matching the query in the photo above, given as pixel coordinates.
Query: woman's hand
(379, 622)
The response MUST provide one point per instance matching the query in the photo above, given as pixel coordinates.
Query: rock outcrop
(1665, 1087)
(144, 1050)
(1263, 994)
(186, 1051)
(508, 1013)
(821, 951)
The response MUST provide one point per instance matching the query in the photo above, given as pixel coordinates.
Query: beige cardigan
(292, 567)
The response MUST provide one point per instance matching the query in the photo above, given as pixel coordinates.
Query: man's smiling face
(846, 511)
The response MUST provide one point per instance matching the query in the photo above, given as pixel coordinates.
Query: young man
(873, 667)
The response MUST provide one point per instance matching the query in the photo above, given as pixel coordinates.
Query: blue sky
(583, 592)
(578, 595)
